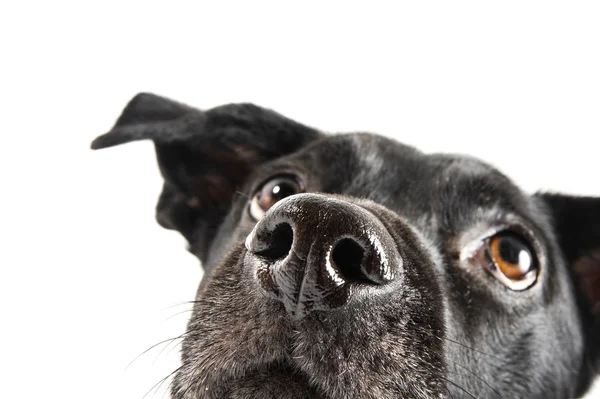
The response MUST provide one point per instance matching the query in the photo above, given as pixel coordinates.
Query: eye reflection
(509, 258)
(271, 192)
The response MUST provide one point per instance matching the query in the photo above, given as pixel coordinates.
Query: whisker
(170, 340)
(177, 314)
(479, 378)
(449, 393)
(179, 304)
(473, 349)
(162, 381)
(169, 344)
(148, 350)
(458, 386)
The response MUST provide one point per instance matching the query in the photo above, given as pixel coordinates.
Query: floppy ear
(577, 224)
(204, 157)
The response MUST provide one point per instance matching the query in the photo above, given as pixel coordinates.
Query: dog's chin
(276, 380)
(284, 381)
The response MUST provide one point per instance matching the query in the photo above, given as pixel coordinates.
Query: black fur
(443, 327)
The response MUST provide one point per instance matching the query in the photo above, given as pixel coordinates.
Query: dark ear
(577, 223)
(204, 156)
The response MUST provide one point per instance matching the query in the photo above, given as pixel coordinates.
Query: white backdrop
(89, 280)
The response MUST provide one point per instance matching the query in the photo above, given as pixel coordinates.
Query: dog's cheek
(233, 330)
(512, 346)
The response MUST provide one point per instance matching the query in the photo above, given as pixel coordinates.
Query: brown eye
(272, 191)
(510, 259)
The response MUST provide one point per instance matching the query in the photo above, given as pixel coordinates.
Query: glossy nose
(311, 251)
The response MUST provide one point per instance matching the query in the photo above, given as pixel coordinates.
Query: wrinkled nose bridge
(310, 251)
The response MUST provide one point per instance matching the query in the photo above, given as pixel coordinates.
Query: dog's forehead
(407, 180)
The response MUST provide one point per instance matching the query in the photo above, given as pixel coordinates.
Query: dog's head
(350, 265)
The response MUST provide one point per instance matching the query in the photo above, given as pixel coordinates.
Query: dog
(353, 266)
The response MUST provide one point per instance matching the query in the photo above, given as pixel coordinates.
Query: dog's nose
(310, 252)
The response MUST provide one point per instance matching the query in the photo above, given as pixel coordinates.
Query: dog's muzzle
(311, 252)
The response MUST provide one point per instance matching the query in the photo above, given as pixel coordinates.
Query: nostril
(348, 257)
(279, 242)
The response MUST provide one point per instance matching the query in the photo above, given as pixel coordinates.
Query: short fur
(443, 328)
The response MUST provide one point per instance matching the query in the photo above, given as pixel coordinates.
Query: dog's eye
(510, 259)
(272, 191)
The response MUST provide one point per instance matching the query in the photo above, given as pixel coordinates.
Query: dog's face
(346, 266)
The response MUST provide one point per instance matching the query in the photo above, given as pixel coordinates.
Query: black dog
(352, 266)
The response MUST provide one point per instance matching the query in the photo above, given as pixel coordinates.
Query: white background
(89, 280)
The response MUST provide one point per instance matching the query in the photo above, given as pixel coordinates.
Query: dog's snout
(310, 251)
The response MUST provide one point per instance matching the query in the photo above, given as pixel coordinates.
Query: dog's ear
(204, 156)
(577, 224)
